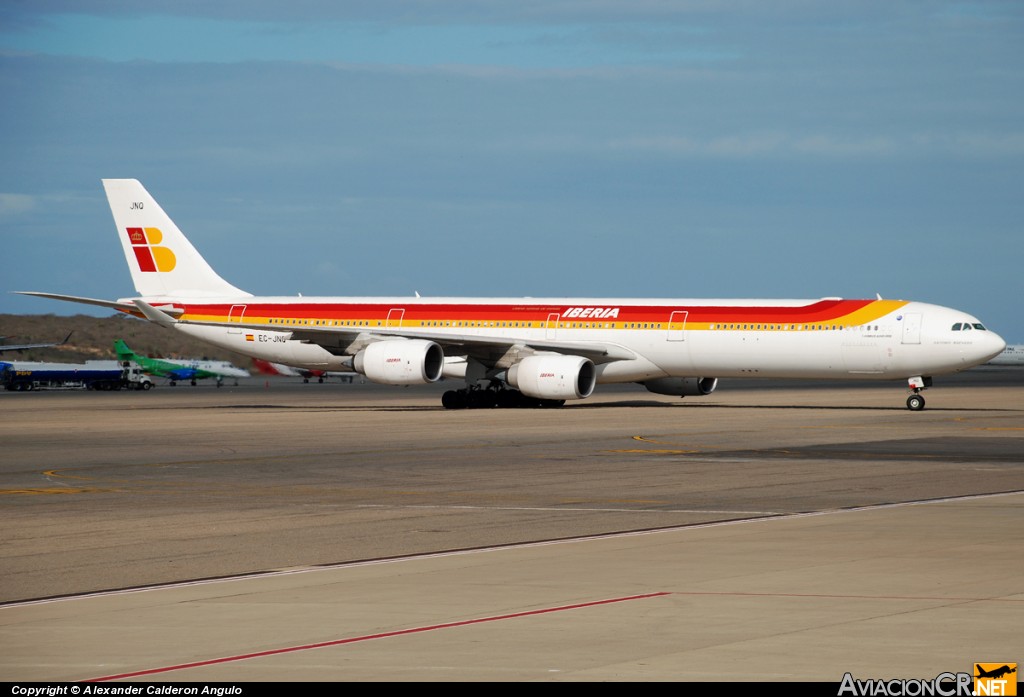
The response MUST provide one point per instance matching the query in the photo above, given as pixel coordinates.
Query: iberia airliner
(537, 351)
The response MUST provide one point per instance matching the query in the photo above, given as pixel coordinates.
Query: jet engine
(553, 377)
(401, 362)
(681, 387)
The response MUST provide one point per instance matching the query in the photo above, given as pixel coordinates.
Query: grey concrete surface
(758, 566)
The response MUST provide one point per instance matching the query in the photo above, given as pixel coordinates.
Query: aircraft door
(395, 318)
(235, 315)
(912, 328)
(551, 328)
(677, 325)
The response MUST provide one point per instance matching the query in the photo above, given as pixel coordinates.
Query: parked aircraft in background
(25, 347)
(268, 368)
(1011, 355)
(178, 369)
(530, 351)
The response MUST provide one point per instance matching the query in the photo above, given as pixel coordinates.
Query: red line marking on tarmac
(369, 637)
(832, 596)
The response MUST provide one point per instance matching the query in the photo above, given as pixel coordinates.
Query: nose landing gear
(915, 402)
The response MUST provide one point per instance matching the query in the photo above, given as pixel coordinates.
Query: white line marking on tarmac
(498, 548)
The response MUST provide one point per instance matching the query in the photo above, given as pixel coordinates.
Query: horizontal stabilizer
(154, 315)
(112, 304)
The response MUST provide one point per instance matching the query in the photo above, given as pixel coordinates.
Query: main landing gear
(915, 402)
(494, 397)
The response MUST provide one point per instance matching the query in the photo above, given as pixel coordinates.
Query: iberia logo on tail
(150, 256)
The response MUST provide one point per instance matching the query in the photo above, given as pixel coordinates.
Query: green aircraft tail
(123, 352)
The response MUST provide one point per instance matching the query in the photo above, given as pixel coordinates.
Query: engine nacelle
(682, 387)
(401, 362)
(554, 377)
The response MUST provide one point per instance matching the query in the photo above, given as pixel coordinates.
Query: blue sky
(631, 149)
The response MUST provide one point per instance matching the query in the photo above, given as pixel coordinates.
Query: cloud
(16, 204)
(740, 148)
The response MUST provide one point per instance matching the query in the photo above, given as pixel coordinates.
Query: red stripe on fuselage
(821, 311)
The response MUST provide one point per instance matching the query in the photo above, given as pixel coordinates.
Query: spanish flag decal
(250, 337)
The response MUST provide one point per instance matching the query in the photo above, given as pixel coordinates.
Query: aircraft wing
(488, 349)
(491, 350)
(25, 347)
(349, 340)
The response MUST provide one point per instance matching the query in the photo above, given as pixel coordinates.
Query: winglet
(154, 315)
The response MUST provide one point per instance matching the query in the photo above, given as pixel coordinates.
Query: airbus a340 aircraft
(529, 351)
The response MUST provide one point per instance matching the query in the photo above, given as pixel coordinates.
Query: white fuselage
(829, 338)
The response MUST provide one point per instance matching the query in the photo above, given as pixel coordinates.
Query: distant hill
(93, 338)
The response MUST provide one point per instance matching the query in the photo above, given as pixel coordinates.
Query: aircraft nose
(992, 345)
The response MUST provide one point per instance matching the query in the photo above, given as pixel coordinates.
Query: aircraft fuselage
(828, 338)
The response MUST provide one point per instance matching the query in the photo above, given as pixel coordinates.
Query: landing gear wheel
(490, 398)
(453, 399)
(482, 399)
(915, 402)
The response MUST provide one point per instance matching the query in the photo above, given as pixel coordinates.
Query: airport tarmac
(289, 531)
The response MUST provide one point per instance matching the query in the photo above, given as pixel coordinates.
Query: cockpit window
(980, 326)
(967, 327)
(957, 326)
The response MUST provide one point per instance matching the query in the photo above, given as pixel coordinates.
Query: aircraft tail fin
(161, 259)
(123, 352)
